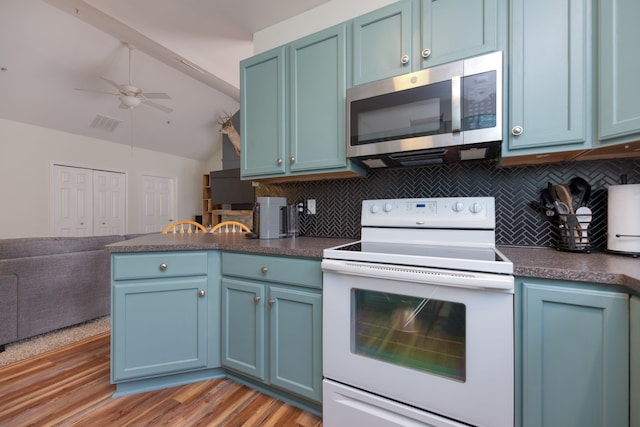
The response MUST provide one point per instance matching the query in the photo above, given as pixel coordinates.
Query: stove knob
(458, 206)
(374, 209)
(387, 207)
(475, 208)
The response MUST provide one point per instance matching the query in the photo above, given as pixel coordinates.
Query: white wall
(28, 152)
(319, 18)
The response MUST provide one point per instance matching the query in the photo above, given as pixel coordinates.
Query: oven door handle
(430, 276)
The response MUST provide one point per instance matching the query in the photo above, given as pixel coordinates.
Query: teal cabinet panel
(263, 114)
(159, 264)
(550, 77)
(634, 356)
(289, 270)
(272, 326)
(296, 341)
(243, 327)
(381, 39)
(575, 356)
(159, 327)
(317, 101)
(443, 41)
(619, 90)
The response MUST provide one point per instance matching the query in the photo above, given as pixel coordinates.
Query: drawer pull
(271, 302)
(264, 270)
(201, 293)
(256, 299)
(163, 267)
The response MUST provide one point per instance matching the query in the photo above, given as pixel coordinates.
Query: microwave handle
(456, 104)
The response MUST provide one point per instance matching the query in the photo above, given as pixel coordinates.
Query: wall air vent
(105, 123)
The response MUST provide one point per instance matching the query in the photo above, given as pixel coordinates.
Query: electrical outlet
(311, 206)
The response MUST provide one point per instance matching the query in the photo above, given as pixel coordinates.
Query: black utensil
(580, 190)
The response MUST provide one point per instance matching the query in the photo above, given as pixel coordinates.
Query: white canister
(623, 230)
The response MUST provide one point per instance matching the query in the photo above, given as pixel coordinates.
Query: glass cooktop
(484, 259)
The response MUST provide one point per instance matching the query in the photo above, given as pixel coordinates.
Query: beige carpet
(34, 346)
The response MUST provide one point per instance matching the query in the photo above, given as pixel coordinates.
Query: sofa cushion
(8, 308)
(35, 246)
(60, 290)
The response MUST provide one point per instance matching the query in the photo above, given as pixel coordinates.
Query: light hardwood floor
(70, 387)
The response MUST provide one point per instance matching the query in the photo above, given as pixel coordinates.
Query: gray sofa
(52, 282)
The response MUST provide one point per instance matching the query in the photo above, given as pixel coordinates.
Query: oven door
(438, 340)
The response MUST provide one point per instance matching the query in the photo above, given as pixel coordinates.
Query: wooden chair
(182, 227)
(230, 227)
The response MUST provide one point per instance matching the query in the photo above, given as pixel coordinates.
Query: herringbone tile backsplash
(519, 221)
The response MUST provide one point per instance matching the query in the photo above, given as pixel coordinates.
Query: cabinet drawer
(295, 271)
(159, 264)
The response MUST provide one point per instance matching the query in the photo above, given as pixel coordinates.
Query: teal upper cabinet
(455, 29)
(619, 90)
(263, 113)
(574, 355)
(317, 101)
(382, 43)
(293, 109)
(550, 77)
(410, 35)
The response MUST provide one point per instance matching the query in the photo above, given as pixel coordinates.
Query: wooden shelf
(211, 212)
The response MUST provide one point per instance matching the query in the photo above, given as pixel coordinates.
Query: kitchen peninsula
(192, 307)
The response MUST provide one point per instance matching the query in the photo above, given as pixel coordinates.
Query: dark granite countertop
(310, 247)
(596, 267)
(544, 263)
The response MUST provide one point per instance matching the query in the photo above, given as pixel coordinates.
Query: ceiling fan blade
(124, 106)
(96, 91)
(158, 106)
(159, 95)
(112, 83)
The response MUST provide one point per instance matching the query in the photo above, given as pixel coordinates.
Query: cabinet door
(159, 327)
(550, 76)
(618, 64)
(634, 356)
(575, 351)
(380, 41)
(442, 39)
(295, 328)
(243, 327)
(263, 113)
(317, 101)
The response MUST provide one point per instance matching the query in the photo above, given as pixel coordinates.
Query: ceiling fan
(131, 96)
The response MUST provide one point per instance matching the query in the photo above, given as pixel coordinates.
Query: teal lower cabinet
(634, 357)
(165, 318)
(272, 323)
(572, 355)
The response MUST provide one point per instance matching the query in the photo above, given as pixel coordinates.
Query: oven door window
(417, 333)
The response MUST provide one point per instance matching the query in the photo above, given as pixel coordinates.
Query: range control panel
(441, 212)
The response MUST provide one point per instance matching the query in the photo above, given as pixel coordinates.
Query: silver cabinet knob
(279, 161)
(256, 299)
(163, 267)
(426, 53)
(517, 130)
(201, 293)
(292, 159)
(271, 302)
(264, 270)
(404, 59)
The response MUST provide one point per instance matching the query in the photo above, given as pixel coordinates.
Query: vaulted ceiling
(189, 49)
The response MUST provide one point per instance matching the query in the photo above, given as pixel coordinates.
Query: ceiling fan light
(130, 101)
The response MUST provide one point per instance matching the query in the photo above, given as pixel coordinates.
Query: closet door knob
(404, 59)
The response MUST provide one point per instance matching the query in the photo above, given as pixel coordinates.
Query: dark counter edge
(535, 262)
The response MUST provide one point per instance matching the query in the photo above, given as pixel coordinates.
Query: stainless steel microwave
(442, 114)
